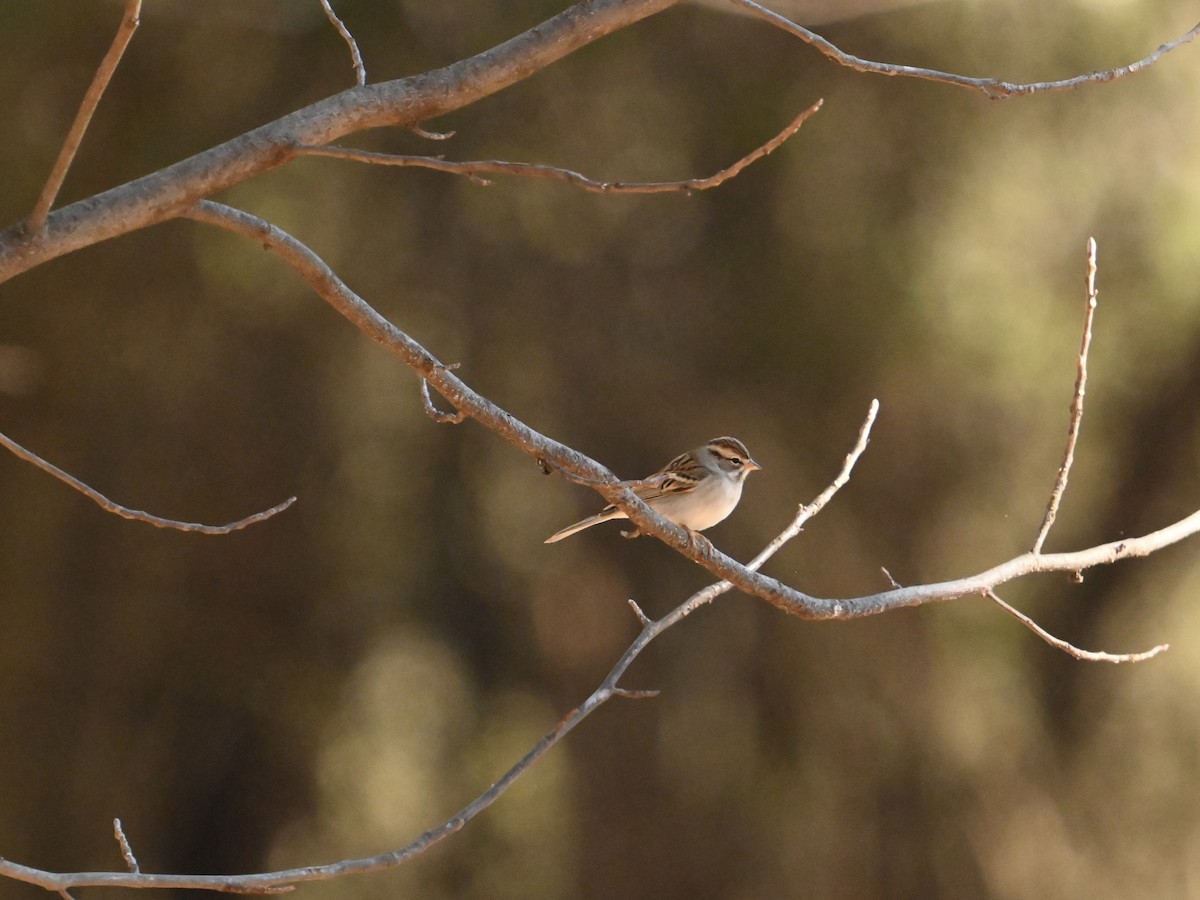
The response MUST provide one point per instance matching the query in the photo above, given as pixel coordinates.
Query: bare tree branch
(61, 882)
(360, 71)
(91, 99)
(475, 169)
(692, 545)
(994, 88)
(1064, 470)
(136, 514)
(1066, 647)
(1071, 649)
(405, 102)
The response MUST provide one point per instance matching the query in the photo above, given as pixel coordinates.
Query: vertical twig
(126, 850)
(1060, 484)
(129, 23)
(360, 71)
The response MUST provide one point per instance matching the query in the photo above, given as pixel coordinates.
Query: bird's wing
(662, 483)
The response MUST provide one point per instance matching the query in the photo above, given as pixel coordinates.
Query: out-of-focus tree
(333, 682)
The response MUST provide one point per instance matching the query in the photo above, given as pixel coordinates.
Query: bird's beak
(752, 466)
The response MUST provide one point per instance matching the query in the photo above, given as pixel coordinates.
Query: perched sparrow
(696, 490)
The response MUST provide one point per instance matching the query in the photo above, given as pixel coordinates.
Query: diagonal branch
(994, 88)
(91, 99)
(1071, 649)
(577, 465)
(136, 514)
(474, 169)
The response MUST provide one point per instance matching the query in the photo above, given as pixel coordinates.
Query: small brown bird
(696, 489)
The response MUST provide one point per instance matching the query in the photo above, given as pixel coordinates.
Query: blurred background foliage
(336, 681)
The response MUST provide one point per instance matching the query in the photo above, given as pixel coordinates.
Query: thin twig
(126, 850)
(807, 511)
(91, 99)
(1071, 649)
(360, 71)
(1064, 470)
(992, 87)
(136, 514)
(474, 170)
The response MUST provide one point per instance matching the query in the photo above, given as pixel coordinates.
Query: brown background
(336, 681)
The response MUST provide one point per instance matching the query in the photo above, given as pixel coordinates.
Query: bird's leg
(699, 541)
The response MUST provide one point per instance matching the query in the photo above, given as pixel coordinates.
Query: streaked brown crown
(735, 454)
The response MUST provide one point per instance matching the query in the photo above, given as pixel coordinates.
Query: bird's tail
(599, 517)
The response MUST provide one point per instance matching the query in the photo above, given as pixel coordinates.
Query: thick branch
(406, 101)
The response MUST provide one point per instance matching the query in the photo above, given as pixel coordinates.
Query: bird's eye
(735, 462)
